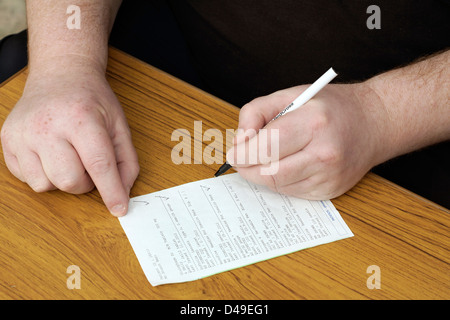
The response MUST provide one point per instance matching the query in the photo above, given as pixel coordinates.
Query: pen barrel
(310, 92)
(284, 111)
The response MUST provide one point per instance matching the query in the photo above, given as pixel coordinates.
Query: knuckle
(245, 110)
(132, 171)
(80, 109)
(40, 186)
(36, 180)
(252, 105)
(67, 184)
(98, 164)
(3, 132)
(80, 113)
(5, 137)
(135, 169)
(84, 111)
(320, 121)
(330, 155)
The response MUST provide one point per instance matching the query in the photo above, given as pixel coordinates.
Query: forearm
(412, 105)
(51, 40)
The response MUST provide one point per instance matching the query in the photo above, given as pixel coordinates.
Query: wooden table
(41, 235)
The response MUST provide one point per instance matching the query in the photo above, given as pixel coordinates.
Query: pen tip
(224, 168)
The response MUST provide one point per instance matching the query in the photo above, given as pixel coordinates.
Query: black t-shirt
(243, 49)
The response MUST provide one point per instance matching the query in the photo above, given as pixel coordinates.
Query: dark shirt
(243, 49)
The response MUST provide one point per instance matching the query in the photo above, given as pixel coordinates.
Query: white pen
(303, 98)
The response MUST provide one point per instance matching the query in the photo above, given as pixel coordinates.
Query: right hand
(68, 132)
(322, 149)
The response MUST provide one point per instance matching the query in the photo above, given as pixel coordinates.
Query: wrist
(65, 76)
(381, 124)
(66, 63)
(65, 66)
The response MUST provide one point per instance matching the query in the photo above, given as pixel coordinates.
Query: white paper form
(209, 226)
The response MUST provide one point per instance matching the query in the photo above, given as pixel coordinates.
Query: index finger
(260, 111)
(98, 157)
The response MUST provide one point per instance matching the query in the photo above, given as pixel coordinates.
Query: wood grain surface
(41, 235)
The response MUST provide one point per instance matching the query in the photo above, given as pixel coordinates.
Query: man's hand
(325, 147)
(68, 132)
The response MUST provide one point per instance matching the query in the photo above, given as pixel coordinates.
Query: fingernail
(118, 210)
